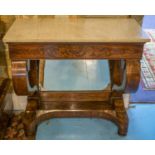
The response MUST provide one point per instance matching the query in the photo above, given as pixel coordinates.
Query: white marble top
(75, 30)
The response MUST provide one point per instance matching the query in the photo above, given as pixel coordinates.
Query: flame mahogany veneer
(124, 59)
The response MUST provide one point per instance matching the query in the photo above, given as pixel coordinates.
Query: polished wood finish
(74, 96)
(41, 72)
(117, 71)
(33, 72)
(36, 51)
(121, 116)
(25, 79)
(20, 77)
(112, 110)
(75, 105)
(76, 38)
(124, 61)
(133, 75)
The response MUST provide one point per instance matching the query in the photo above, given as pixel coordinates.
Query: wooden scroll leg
(132, 78)
(41, 72)
(20, 77)
(33, 73)
(121, 116)
(132, 75)
(116, 71)
(24, 80)
(132, 82)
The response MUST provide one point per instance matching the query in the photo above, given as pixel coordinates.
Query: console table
(120, 40)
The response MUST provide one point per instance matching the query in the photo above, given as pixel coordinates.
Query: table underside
(124, 62)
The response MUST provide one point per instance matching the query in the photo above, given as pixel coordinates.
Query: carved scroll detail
(133, 75)
(116, 71)
(20, 78)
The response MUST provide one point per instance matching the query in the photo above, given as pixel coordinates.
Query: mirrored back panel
(74, 75)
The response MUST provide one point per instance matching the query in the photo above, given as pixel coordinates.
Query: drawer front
(75, 50)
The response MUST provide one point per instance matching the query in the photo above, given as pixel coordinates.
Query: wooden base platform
(44, 109)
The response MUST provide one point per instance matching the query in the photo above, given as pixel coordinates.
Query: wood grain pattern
(114, 112)
(43, 115)
(133, 72)
(76, 38)
(74, 96)
(19, 51)
(23, 79)
(112, 109)
(33, 73)
(75, 105)
(41, 72)
(20, 77)
(121, 116)
(80, 104)
(116, 71)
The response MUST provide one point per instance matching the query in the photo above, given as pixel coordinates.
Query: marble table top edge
(81, 30)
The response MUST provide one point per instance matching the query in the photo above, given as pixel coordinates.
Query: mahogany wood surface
(113, 111)
(124, 59)
(20, 77)
(33, 72)
(74, 96)
(133, 75)
(116, 71)
(113, 51)
(32, 41)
